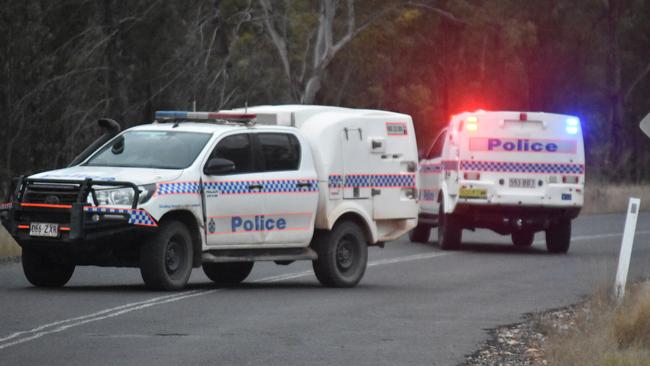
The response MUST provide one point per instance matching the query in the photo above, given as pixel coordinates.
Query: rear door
(289, 190)
(357, 180)
(394, 184)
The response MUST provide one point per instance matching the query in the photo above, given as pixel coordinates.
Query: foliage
(64, 64)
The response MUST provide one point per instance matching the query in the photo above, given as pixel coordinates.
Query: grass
(606, 198)
(605, 333)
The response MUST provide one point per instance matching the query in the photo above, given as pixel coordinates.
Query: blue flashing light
(170, 114)
(572, 124)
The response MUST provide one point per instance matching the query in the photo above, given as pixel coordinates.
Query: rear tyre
(558, 236)
(43, 270)
(342, 255)
(229, 273)
(449, 230)
(166, 257)
(523, 238)
(420, 234)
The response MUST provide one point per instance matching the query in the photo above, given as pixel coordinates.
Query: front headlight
(124, 196)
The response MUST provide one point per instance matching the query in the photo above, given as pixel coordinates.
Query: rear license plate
(521, 183)
(473, 193)
(44, 229)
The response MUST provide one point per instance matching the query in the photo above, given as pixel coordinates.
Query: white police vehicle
(222, 190)
(513, 172)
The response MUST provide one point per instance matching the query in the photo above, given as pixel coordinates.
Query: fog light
(95, 218)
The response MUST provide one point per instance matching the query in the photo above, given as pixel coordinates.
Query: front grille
(51, 194)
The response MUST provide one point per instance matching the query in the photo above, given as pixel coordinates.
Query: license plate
(521, 183)
(44, 229)
(473, 193)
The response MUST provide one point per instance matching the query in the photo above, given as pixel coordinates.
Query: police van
(223, 190)
(515, 173)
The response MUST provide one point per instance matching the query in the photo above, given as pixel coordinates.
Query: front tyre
(229, 273)
(449, 230)
(43, 270)
(342, 255)
(166, 257)
(558, 236)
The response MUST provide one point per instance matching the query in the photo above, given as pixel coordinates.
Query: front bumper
(77, 221)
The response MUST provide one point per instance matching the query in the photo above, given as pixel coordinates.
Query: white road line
(61, 325)
(598, 236)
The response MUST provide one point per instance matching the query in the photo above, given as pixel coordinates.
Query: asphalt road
(416, 305)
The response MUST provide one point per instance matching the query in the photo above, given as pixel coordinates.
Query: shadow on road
(481, 247)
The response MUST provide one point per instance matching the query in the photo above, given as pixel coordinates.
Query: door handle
(303, 185)
(255, 186)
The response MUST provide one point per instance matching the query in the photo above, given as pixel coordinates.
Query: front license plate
(44, 229)
(521, 183)
(473, 193)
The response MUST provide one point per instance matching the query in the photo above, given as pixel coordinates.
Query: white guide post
(626, 248)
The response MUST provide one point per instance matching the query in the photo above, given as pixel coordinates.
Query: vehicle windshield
(151, 149)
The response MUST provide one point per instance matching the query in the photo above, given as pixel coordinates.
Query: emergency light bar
(572, 124)
(179, 115)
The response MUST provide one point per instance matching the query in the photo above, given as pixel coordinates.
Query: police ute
(515, 173)
(222, 190)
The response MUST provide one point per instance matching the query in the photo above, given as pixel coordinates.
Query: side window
(438, 144)
(238, 149)
(280, 151)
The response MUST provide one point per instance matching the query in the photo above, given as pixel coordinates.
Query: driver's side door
(431, 175)
(230, 199)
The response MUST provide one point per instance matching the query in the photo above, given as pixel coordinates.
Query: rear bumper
(505, 219)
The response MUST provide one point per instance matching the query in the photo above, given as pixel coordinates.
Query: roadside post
(626, 248)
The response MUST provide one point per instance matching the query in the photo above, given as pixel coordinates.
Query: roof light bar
(174, 115)
(572, 125)
(471, 123)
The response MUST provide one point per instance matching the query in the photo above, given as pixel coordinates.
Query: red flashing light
(523, 117)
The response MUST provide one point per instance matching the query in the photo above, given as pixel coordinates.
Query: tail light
(571, 179)
(472, 175)
(471, 123)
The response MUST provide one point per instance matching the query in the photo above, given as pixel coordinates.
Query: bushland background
(64, 64)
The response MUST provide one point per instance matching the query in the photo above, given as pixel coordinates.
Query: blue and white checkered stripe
(335, 181)
(502, 166)
(377, 180)
(268, 186)
(136, 217)
(178, 188)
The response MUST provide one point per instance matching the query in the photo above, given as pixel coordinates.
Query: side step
(252, 255)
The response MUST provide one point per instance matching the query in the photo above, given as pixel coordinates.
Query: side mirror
(218, 166)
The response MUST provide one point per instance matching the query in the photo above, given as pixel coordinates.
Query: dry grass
(605, 334)
(605, 198)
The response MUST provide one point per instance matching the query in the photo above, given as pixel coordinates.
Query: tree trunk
(614, 90)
